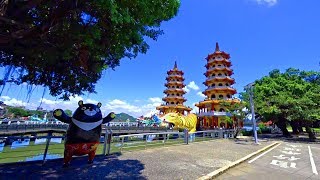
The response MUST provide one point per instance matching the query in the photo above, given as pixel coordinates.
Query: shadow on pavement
(301, 138)
(104, 167)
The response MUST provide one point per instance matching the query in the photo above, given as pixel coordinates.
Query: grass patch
(9, 155)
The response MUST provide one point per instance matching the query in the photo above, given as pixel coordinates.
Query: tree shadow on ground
(302, 138)
(104, 167)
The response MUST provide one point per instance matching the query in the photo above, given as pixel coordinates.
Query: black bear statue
(83, 134)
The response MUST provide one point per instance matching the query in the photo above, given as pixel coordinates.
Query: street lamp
(249, 89)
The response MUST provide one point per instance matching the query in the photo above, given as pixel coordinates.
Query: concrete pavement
(174, 162)
(287, 161)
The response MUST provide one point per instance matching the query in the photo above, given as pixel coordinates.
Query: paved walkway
(289, 161)
(174, 162)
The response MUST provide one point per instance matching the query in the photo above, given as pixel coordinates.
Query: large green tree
(66, 45)
(291, 97)
(18, 112)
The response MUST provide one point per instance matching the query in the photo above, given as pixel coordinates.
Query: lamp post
(250, 91)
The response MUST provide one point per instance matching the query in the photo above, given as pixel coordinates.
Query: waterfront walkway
(174, 162)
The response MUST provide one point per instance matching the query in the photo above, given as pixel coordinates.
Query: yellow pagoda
(219, 88)
(174, 93)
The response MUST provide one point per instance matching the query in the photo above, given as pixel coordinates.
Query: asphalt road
(286, 161)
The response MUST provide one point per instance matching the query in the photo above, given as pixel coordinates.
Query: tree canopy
(289, 97)
(66, 45)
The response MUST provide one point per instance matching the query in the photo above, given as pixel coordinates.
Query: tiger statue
(181, 122)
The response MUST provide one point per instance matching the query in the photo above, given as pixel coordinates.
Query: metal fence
(46, 147)
(24, 128)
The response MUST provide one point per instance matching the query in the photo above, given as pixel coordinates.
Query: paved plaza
(174, 162)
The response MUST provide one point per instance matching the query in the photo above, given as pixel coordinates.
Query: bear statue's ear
(80, 103)
(99, 104)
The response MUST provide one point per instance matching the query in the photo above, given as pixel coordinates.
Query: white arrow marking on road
(263, 154)
(314, 169)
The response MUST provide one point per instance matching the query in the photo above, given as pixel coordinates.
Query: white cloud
(155, 100)
(195, 109)
(15, 102)
(192, 85)
(201, 94)
(116, 105)
(5, 97)
(267, 2)
(186, 89)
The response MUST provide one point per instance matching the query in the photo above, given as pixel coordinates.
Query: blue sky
(260, 35)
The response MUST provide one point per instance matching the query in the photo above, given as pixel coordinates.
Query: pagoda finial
(217, 47)
(175, 65)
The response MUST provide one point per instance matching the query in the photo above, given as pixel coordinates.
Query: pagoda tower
(174, 93)
(219, 88)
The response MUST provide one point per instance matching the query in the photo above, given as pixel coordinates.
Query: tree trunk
(300, 127)
(312, 136)
(236, 132)
(281, 123)
(294, 125)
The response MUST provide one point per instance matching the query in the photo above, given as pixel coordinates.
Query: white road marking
(314, 169)
(262, 154)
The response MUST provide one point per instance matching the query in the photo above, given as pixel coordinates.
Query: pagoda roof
(218, 52)
(173, 107)
(175, 69)
(216, 101)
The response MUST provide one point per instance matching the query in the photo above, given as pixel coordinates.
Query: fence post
(145, 146)
(122, 142)
(220, 133)
(105, 142)
(109, 141)
(186, 136)
(47, 146)
(164, 139)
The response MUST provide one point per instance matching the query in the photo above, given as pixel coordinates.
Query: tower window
(221, 110)
(219, 74)
(213, 96)
(219, 65)
(227, 84)
(172, 102)
(228, 96)
(220, 96)
(220, 84)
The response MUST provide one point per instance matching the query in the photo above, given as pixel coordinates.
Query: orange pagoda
(219, 88)
(174, 93)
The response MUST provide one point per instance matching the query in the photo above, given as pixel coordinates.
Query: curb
(234, 163)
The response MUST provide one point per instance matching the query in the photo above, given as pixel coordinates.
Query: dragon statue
(179, 121)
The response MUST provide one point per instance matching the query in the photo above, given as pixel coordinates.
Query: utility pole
(249, 89)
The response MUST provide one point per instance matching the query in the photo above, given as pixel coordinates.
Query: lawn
(9, 155)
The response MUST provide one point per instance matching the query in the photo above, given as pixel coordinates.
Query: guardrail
(46, 147)
(24, 128)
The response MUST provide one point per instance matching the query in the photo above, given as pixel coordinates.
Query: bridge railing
(22, 128)
(143, 141)
(51, 145)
